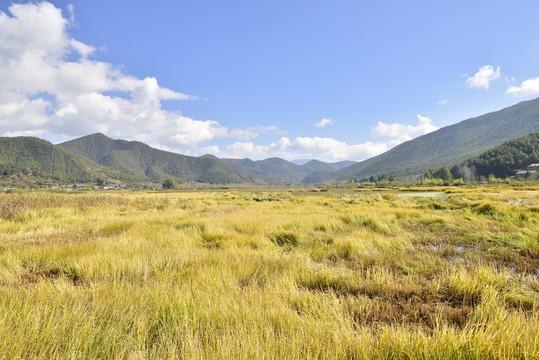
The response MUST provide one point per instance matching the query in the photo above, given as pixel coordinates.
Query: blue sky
(306, 79)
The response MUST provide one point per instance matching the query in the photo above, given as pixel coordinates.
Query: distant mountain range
(144, 163)
(283, 169)
(92, 156)
(336, 165)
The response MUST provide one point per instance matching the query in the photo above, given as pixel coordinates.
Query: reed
(242, 275)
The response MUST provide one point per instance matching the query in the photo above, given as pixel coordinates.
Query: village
(530, 170)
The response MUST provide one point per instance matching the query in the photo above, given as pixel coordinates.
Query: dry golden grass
(243, 275)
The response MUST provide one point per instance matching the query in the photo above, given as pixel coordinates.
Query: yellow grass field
(270, 275)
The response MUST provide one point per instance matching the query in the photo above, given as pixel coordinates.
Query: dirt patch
(32, 275)
(413, 311)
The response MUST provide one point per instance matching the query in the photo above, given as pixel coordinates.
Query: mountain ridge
(278, 168)
(450, 145)
(45, 160)
(145, 163)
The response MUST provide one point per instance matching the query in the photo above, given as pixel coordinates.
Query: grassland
(247, 275)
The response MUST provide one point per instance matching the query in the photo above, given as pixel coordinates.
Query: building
(530, 170)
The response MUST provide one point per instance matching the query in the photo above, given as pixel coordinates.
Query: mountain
(279, 168)
(41, 159)
(145, 163)
(315, 165)
(503, 160)
(450, 145)
(300, 161)
(335, 165)
(342, 164)
(274, 167)
(318, 177)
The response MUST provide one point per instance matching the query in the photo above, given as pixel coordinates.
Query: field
(270, 275)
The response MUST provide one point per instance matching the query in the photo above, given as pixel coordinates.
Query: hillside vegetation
(243, 275)
(145, 163)
(450, 145)
(280, 168)
(505, 159)
(41, 159)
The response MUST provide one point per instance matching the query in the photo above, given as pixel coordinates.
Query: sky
(331, 80)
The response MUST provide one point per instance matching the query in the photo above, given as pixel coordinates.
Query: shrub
(170, 183)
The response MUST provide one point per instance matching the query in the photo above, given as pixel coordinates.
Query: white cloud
(324, 122)
(402, 132)
(330, 149)
(527, 88)
(83, 49)
(247, 149)
(442, 102)
(483, 77)
(212, 150)
(325, 149)
(243, 134)
(267, 129)
(50, 87)
(71, 10)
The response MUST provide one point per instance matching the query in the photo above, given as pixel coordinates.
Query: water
(426, 194)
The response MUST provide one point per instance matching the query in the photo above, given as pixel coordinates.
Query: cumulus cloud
(50, 86)
(331, 149)
(527, 88)
(324, 122)
(326, 149)
(483, 77)
(402, 132)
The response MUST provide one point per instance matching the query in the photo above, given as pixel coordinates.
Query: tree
(467, 172)
(170, 183)
(100, 181)
(443, 173)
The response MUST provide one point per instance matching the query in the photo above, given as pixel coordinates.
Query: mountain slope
(503, 160)
(450, 145)
(335, 165)
(279, 168)
(146, 163)
(342, 164)
(45, 160)
(274, 167)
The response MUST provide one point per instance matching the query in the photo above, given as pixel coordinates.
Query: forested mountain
(335, 165)
(318, 177)
(503, 160)
(279, 168)
(144, 163)
(41, 159)
(342, 164)
(450, 145)
(308, 171)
